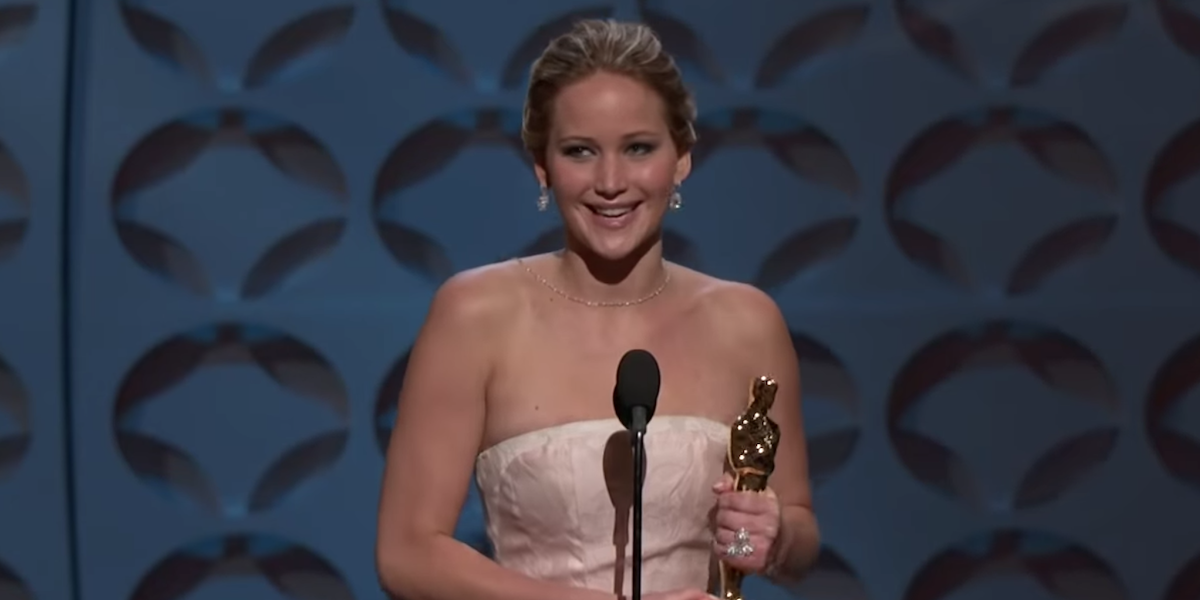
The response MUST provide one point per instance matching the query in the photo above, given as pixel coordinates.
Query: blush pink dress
(557, 503)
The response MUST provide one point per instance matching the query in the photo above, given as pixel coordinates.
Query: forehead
(604, 105)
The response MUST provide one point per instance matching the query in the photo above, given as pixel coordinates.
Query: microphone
(634, 399)
(636, 392)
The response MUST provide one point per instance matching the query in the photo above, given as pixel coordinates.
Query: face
(611, 163)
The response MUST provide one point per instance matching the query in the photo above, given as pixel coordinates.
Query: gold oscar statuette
(753, 440)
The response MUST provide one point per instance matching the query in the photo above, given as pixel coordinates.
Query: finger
(726, 537)
(767, 493)
(765, 523)
(724, 484)
(753, 563)
(728, 523)
(733, 520)
(747, 502)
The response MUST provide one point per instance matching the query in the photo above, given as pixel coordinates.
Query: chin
(612, 252)
(608, 246)
(610, 240)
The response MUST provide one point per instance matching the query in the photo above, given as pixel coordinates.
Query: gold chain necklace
(595, 304)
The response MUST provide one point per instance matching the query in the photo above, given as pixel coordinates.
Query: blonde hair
(592, 46)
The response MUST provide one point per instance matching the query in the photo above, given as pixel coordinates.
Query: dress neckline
(606, 424)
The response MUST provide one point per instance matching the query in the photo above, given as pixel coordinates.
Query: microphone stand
(639, 478)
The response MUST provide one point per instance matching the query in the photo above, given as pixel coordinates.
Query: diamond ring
(741, 546)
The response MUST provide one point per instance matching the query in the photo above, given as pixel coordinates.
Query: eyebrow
(628, 136)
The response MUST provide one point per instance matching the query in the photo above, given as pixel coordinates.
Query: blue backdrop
(221, 223)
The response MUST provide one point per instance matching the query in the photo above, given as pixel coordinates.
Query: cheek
(658, 178)
(568, 178)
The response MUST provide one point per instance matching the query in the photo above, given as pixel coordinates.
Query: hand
(684, 594)
(758, 513)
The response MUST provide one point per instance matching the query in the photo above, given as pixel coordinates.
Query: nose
(610, 181)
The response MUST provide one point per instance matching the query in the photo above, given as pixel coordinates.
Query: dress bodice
(557, 503)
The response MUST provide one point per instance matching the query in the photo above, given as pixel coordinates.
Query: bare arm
(438, 431)
(767, 345)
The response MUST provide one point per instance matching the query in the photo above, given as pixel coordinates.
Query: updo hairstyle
(621, 48)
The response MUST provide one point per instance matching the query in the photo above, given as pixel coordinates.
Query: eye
(576, 151)
(640, 148)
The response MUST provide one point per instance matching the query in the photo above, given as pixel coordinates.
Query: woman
(512, 373)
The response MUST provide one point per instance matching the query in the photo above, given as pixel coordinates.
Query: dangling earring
(676, 200)
(543, 200)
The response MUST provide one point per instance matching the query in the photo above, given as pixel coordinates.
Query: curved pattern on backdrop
(979, 219)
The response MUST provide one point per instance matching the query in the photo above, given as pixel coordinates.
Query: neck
(603, 280)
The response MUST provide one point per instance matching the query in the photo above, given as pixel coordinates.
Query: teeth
(612, 212)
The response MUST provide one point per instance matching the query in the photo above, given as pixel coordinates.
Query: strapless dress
(557, 503)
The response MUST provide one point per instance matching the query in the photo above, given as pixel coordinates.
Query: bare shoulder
(736, 309)
(481, 296)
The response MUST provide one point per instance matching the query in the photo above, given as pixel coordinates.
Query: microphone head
(638, 381)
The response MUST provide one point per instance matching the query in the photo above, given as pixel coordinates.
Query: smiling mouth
(613, 212)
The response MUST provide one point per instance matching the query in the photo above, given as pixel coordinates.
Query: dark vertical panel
(986, 249)
(34, 556)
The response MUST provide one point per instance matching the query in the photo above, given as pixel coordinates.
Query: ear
(539, 171)
(683, 167)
